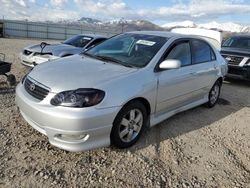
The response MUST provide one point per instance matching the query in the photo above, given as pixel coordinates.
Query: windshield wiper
(111, 59)
(90, 55)
(108, 59)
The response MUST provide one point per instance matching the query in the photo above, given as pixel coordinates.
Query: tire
(126, 134)
(214, 94)
(11, 80)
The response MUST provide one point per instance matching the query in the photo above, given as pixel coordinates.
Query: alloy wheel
(131, 125)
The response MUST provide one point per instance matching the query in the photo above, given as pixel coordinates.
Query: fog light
(72, 137)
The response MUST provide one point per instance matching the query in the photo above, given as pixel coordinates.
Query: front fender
(139, 84)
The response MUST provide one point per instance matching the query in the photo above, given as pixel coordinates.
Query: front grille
(233, 60)
(27, 52)
(35, 89)
(39, 53)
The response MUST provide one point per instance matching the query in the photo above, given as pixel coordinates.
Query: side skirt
(156, 119)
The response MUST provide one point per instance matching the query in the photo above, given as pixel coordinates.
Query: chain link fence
(27, 29)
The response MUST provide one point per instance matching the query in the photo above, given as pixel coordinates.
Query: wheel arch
(144, 101)
(220, 79)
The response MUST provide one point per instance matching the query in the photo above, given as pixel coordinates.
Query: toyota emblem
(32, 87)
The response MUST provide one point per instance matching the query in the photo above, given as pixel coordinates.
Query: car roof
(159, 33)
(94, 36)
(241, 35)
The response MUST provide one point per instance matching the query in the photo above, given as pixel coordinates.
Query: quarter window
(202, 52)
(181, 52)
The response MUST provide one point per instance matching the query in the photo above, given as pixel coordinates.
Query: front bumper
(95, 124)
(239, 72)
(31, 60)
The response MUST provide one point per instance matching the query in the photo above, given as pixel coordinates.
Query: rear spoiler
(212, 36)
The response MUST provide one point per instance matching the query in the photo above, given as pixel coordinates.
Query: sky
(157, 11)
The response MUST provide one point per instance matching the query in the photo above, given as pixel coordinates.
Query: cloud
(21, 3)
(58, 3)
(194, 9)
(197, 10)
(104, 7)
(35, 12)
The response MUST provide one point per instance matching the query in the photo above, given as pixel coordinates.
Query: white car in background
(211, 36)
(43, 52)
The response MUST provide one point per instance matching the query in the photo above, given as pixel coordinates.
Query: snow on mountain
(186, 23)
(89, 21)
(117, 21)
(227, 26)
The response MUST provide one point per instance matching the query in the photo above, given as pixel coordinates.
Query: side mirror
(170, 64)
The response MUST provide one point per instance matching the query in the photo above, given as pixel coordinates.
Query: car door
(203, 67)
(176, 86)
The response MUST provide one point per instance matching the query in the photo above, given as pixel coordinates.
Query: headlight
(78, 98)
(24, 77)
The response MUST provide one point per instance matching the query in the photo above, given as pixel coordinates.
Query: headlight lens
(78, 98)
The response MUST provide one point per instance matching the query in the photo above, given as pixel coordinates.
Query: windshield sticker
(145, 42)
(86, 38)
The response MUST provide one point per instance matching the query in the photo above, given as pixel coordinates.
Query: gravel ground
(197, 148)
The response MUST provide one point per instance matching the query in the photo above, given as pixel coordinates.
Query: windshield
(78, 41)
(129, 49)
(237, 42)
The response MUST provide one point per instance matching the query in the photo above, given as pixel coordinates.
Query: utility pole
(122, 22)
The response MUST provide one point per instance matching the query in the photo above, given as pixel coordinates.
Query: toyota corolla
(112, 92)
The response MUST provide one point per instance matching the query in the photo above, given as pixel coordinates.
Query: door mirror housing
(170, 64)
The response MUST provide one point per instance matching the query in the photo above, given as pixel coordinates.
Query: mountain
(138, 25)
(120, 24)
(186, 23)
(85, 20)
(227, 26)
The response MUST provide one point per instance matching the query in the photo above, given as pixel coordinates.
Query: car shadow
(191, 120)
(237, 82)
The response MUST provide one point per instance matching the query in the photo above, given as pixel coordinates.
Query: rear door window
(201, 52)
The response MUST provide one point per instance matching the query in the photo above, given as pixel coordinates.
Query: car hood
(51, 48)
(236, 51)
(77, 71)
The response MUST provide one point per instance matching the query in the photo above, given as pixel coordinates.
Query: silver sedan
(111, 93)
(40, 53)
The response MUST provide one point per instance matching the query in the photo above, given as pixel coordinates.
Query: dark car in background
(236, 50)
(43, 52)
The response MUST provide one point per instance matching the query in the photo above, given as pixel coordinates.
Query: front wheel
(129, 125)
(214, 94)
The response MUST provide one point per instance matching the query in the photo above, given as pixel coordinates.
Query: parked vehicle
(236, 50)
(211, 36)
(5, 68)
(43, 52)
(112, 92)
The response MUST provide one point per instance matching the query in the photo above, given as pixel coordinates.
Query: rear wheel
(129, 125)
(214, 94)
